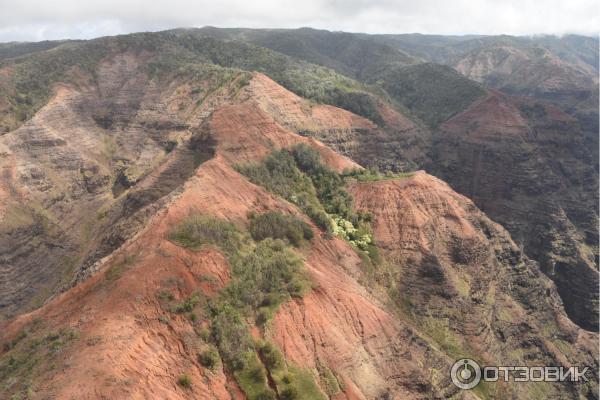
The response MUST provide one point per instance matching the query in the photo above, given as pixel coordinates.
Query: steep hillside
(462, 281)
(112, 125)
(432, 92)
(529, 165)
(207, 230)
(351, 55)
(67, 171)
(512, 157)
(193, 305)
(561, 70)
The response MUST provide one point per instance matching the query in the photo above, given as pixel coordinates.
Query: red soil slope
(129, 347)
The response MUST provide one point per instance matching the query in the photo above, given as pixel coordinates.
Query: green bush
(209, 358)
(188, 304)
(374, 175)
(320, 218)
(266, 275)
(270, 356)
(231, 335)
(279, 174)
(198, 230)
(290, 393)
(276, 225)
(266, 395)
(299, 176)
(256, 374)
(184, 381)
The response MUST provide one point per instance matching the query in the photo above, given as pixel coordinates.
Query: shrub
(270, 356)
(209, 358)
(289, 393)
(184, 381)
(287, 378)
(266, 395)
(279, 226)
(306, 158)
(188, 304)
(198, 230)
(300, 177)
(279, 174)
(262, 317)
(257, 374)
(231, 336)
(266, 275)
(320, 218)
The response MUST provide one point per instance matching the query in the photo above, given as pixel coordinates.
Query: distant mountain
(562, 70)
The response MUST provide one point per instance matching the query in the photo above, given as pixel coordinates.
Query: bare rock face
(528, 165)
(532, 70)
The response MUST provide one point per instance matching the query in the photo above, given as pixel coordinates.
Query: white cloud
(33, 20)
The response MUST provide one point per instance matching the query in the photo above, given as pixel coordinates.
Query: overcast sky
(28, 20)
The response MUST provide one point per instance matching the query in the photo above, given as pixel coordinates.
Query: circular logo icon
(465, 373)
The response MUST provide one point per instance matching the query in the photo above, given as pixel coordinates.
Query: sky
(28, 20)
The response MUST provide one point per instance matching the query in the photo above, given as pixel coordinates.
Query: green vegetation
(185, 381)
(196, 58)
(374, 175)
(209, 358)
(432, 92)
(264, 274)
(253, 380)
(33, 352)
(188, 304)
(331, 383)
(279, 174)
(300, 177)
(276, 225)
(291, 382)
(198, 230)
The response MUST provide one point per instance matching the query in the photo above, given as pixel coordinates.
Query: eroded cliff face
(464, 282)
(78, 176)
(528, 167)
(526, 164)
(398, 144)
(451, 284)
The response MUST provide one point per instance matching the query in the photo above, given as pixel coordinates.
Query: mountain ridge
(368, 284)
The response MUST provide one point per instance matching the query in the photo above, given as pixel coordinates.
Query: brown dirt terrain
(463, 281)
(452, 283)
(138, 356)
(117, 316)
